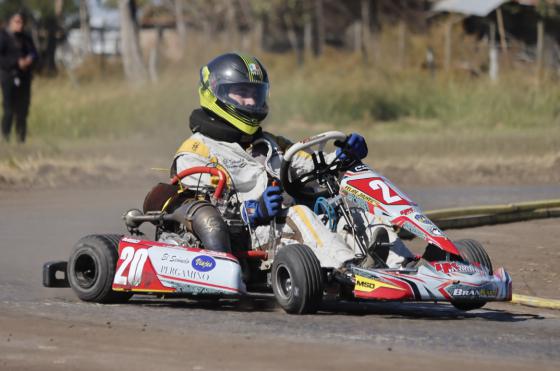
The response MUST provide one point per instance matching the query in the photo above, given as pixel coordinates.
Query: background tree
(133, 64)
(180, 26)
(84, 26)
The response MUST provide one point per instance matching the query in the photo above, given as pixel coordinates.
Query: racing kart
(112, 268)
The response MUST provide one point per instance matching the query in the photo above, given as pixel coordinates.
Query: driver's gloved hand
(261, 211)
(355, 147)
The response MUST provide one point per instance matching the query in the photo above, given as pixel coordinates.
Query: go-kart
(111, 268)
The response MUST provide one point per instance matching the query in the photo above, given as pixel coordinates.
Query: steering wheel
(296, 185)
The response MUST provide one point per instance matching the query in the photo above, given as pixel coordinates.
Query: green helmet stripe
(246, 61)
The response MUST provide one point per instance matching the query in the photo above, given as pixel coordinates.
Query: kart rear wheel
(473, 252)
(297, 279)
(91, 269)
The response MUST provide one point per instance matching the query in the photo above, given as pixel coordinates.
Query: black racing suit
(16, 83)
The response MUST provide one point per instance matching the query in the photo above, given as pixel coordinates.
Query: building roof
(480, 8)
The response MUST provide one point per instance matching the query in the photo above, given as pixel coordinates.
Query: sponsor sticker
(358, 194)
(365, 284)
(234, 163)
(254, 69)
(464, 291)
(307, 140)
(174, 259)
(436, 231)
(452, 267)
(131, 240)
(423, 219)
(408, 211)
(195, 146)
(216, 253)
(203, 263)
(173, 271)
(358, 202)
(359, 168)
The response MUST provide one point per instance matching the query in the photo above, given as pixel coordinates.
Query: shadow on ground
(267, 303)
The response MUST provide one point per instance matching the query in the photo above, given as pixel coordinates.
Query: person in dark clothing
(17, 56)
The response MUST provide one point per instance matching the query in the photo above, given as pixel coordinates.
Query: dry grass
(414, 123)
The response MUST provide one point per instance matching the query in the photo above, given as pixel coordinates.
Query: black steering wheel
(297, 186)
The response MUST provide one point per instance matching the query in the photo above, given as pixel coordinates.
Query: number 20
(136, 259)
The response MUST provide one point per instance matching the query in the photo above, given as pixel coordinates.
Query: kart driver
(227, 133)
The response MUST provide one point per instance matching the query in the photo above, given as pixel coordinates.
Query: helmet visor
(247, 96)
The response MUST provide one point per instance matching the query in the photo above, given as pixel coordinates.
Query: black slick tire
(472, 251)
(297, 279)
(91, 269)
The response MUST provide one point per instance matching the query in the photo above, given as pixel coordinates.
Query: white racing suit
(249, 171)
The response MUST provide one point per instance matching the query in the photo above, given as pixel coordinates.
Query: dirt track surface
(50, 329)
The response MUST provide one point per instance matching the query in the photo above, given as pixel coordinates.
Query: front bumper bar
(50, 276)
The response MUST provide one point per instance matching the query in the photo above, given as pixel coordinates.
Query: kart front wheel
(473, 252)
(297, 279)
(91, 269)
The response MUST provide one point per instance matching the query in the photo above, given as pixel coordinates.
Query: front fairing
(435, 281)
(363, 187)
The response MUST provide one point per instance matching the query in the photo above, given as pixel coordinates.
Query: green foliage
(37, 8)
(548, 9)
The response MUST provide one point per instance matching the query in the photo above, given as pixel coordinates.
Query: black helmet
(235, 87)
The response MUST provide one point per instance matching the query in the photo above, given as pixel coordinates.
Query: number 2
(385, 191)
(136, 259)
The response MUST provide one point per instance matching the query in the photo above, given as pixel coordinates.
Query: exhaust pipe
(205, 221)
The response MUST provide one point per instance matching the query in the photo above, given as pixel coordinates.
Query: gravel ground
(50, 329)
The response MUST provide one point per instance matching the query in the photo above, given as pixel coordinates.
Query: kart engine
(185, 238)
(199, 223)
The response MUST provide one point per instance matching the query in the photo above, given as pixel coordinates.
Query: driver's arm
(193, 152)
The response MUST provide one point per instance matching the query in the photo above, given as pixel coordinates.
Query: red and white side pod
(155, 267)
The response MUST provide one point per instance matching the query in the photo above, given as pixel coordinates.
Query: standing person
(17, 56)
